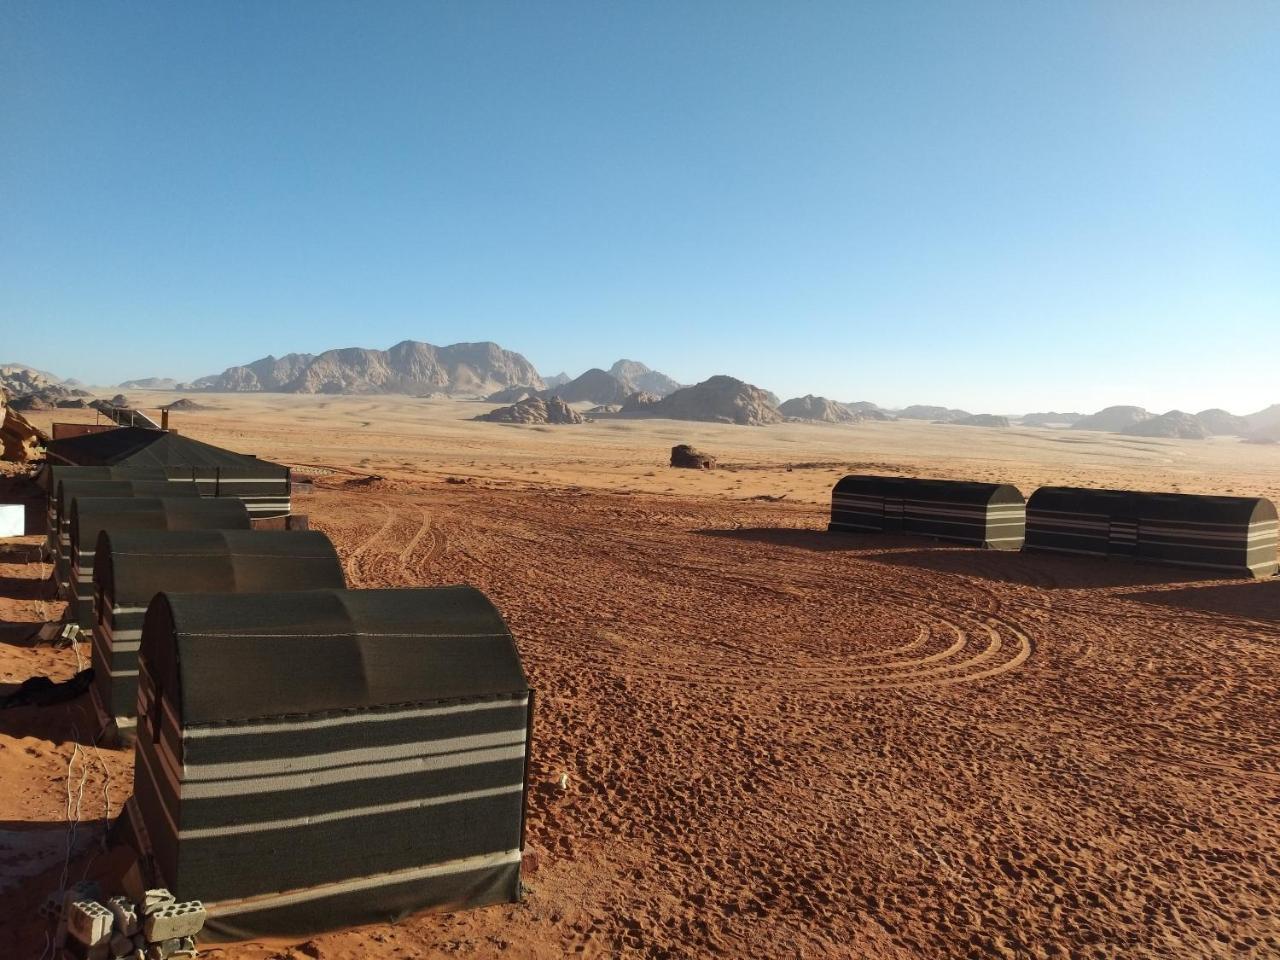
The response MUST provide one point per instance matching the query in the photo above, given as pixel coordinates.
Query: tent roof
(138, 446)
(89, 515)
(252, 655)
(132, 566)
(956, 491)
(1153, 506)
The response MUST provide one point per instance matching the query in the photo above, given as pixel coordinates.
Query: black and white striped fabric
(313, 760)
(91, 515)
(983, 514)
(69, 488)
(1236, 535)
(131, 566)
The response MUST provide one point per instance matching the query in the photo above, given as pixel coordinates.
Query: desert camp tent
(262, 486)
(313, 760)
(132, 566)
(983, 514)
(58, 541)
(91, 515)
(51, 473)
(1236, 535)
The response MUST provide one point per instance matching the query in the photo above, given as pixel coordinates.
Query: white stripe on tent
(192, 790)
(315, 818)
(283, 765)
(252, 728)
(272, 900)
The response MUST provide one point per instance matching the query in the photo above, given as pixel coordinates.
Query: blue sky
(1000, 206)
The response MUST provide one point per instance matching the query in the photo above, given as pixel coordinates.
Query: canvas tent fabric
(380, 737)
(68, 488)
(1236, 535)
(262, 485)
(91, 515)
(51, 473)
(983, 514)
(132, 566)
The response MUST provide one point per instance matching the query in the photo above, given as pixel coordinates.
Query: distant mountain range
(628, 387)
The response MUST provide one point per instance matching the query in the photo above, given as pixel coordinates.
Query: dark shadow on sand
(1044, 570)
(1250, 599)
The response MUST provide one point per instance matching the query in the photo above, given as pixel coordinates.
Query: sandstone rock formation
(1175, 425)
(810, 407)
(925, 412)
(982, 420)
(719, 399)
(409, 367)
(1218, 422)
(1048, 419)
(635, 376)
(683, 455)
(1112, 419)
(639, 401)
(594, 386)
(534, 410)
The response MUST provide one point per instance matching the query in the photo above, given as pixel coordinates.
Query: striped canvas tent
(69, 488)
(91, 515)
(306, 761)
(132, 566)
(983, 514)
(262, 486)
(51, 473)
(1236, 535)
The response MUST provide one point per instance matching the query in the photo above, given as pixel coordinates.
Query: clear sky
(1003, 206)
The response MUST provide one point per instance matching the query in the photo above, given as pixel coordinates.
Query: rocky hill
(150, 383)
(1219, 423)
(1049, 419)
(1113, 419)
(636, 377)
(1174, 425)
(472, 369)
(982, 420)
(557, 379)
(925, 412)
(719, 399)
(595, 386)
(534, 410)
(810, 407)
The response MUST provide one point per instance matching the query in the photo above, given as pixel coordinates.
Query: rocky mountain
(635, 376)
(1219, 423)
(864, 406)
(818, 408)
(534, 410)
(512, 394)
(1112, 419)
(925, 412)
(1174, 425)
(982, 420)
(1265, 424)
(19, 379)
(557, 379)
(719, 399)
(595, 386)
(150, 383)
(408, 367)
(1049, 419)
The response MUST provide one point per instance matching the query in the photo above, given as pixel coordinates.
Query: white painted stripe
(253, 729)
(194, 790)
(318, 818)
(273, 900)
(283, 765)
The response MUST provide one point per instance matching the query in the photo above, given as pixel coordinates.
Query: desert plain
(773, 741)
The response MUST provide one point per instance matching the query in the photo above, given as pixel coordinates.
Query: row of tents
(306, 756)
(1234, 535)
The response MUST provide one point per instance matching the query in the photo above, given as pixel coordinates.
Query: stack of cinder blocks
(120, 929)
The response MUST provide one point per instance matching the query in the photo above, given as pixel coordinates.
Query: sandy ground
(778, 742)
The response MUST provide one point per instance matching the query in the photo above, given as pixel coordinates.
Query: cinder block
(154, 899)
(84, 890)
(164, 949)
(90, 922)
(126, 915)
(175, 920)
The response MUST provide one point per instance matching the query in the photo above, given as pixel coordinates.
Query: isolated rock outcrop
(921, 411)
(635, 376)
(810, 407)
(982, 420)
(1049, 418)
(1174, 425)
(639, 401)
(719, 399)
(534, 410)
(683, 455)
(594, 386)
(1218, 423)
(1113, 419)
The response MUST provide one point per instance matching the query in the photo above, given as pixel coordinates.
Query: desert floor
(778, 742)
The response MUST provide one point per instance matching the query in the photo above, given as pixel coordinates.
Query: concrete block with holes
(90, 922)
(174, 921)
(126, 914)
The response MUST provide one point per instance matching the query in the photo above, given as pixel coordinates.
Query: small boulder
(684, 455)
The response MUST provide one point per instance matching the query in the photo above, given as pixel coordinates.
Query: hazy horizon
(1000, 207)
